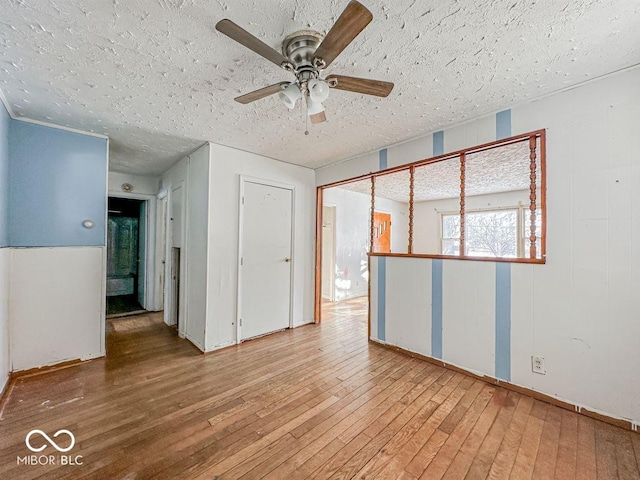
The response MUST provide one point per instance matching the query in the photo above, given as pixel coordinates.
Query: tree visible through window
(493, 233)
(488, 234)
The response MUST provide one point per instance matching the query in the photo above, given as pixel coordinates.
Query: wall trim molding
(580, 409)
(59, 127)
(13, 116)
(7, 107)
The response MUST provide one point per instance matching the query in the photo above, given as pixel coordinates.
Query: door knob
(287, 259)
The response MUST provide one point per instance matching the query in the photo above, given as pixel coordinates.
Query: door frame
(149, 264)
(168, 265)
(269, 183)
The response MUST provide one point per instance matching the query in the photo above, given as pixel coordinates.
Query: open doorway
(357, 218)
(126, 256)
(346, 227)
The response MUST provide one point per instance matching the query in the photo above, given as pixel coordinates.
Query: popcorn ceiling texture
(158, 79)
(498, 170)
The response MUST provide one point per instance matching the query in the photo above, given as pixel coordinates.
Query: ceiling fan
(306, 54)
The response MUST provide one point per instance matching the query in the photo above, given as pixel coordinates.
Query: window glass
(488, 234)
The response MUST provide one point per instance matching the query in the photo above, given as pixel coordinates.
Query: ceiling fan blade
(263, 92)
(360, 85)
(350, 23)
(318, 118)
(240, 35)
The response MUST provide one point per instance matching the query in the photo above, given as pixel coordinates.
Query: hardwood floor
(315, 402)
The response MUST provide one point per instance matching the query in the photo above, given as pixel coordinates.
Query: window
(489, 234)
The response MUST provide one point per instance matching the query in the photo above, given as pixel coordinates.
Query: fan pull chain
(306, 117)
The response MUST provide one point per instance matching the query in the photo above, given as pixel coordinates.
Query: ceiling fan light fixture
(314, 108)
(318, 90)
(290, 95)
(306, 53)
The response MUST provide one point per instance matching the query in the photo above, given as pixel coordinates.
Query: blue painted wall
(382, 159)
(503, 124)
(57, 179)
(438, 143)
(4, 176)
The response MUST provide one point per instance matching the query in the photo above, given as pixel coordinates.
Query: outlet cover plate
(537, 365)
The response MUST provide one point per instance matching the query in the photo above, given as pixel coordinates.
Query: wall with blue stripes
(578, 310)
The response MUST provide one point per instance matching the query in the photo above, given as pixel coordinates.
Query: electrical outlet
(537, 365)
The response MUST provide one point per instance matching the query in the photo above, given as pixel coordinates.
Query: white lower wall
(227, 164)
(5, 359)
(57, 312)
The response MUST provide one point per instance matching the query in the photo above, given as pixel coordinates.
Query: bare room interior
(325, 240)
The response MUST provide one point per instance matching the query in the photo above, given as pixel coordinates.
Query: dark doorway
(125, 256)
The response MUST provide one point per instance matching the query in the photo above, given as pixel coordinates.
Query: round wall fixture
(127, 187)
(88, 224)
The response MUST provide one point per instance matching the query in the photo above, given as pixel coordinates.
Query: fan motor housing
(299, 47)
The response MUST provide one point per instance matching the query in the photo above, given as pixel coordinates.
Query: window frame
(539, 139)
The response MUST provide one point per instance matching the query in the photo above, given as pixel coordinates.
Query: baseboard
(618, 422)
(222, 346)
(32, 372)
(6, 392)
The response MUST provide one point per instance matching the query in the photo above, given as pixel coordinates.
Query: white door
(265, 260)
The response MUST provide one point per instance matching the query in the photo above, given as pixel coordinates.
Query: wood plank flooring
(316, 402)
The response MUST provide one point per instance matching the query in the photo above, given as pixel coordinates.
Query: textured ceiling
(157, 77)
(497, 170)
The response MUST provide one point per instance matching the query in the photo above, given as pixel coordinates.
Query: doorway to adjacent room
(126, 256)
